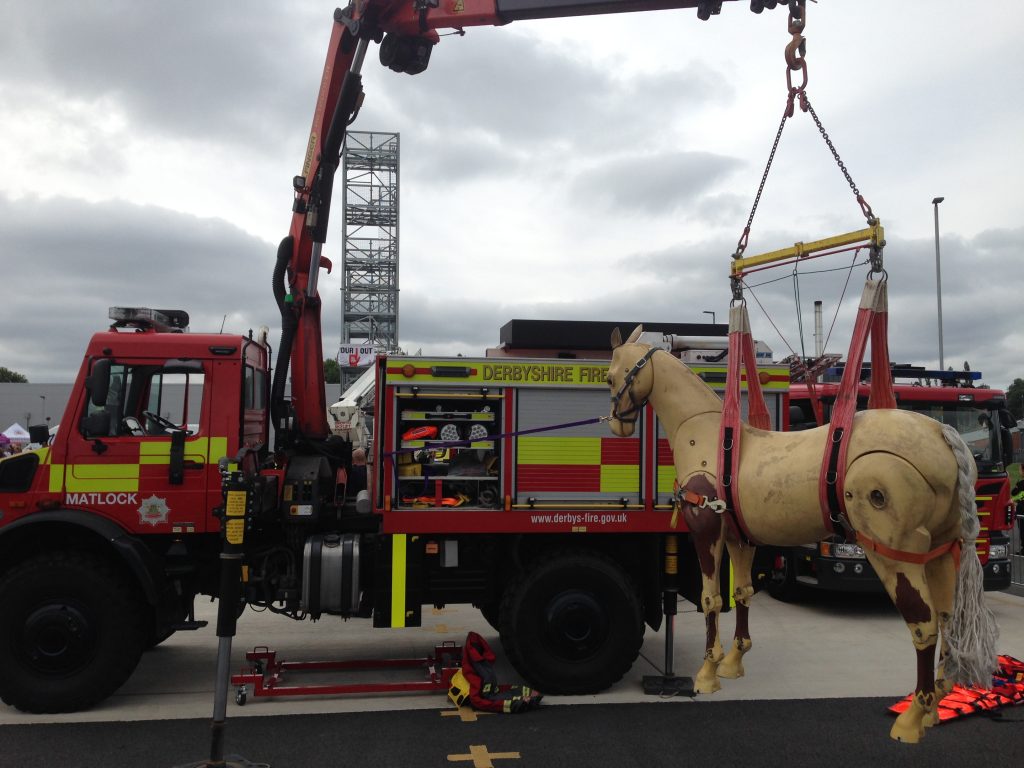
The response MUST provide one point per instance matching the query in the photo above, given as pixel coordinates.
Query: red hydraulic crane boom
(406, 31)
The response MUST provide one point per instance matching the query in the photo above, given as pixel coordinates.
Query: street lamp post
(709, 312)
(938, 279)
(43, 398)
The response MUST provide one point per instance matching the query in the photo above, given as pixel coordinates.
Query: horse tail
(971, 631)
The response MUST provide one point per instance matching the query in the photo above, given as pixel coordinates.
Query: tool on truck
(109, 534)
(951, 397)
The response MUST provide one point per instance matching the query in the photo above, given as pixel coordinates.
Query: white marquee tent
(16, 433)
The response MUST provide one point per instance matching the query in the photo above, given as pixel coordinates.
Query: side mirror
(99, 382)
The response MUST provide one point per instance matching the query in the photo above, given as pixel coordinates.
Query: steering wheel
(167, 424)
(132, 426)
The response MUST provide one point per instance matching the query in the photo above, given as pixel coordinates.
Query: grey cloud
(1005, 241)
(548, 101)
(250, 73)
(441, 160)
(66, 262)
(183, 69)
(238, 75)
(654, 184)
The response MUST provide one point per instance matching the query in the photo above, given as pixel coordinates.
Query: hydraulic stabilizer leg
(237, 510)
(668, 684)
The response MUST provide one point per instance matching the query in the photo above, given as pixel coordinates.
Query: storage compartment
(448, 457)
(330, 575)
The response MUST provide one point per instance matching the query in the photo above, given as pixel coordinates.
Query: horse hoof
(906, 735)
(707, 686)
(729, 670)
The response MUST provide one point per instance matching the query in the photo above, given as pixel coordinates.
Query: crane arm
(406, 31)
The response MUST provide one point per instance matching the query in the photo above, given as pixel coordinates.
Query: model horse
(909, 493)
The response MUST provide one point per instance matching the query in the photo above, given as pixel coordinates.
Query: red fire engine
(108, 534)
(978, 413)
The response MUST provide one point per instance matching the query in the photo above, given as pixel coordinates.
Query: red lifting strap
(872, 321)
(920, 558)
(741, 350)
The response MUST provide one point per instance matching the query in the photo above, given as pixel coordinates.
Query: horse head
(630, 380)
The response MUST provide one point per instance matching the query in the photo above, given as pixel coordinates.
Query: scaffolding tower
(369, 271)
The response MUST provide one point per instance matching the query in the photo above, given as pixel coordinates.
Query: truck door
(142, 455)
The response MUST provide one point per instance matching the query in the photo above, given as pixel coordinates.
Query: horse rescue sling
(872, 323)
(477, 683)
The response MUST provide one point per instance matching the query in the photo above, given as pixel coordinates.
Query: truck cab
(113, 515)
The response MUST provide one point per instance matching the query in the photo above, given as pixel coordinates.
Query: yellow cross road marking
(465, 714)
(440, 629)
(481, 757)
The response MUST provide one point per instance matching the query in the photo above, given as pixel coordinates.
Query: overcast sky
(598, 168)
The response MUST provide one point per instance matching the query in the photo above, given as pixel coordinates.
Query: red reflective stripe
(581, 478)
(619, 450)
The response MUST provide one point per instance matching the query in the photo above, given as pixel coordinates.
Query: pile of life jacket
(476, 683)
(1007, 690)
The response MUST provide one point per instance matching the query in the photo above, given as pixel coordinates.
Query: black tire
(781, 580)
(154, 639)
(492, 614)
(72, 632)
(572, 623)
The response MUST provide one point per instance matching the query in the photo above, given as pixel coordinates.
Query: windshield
(979, 428)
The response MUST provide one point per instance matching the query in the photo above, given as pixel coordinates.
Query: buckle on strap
(702, 502)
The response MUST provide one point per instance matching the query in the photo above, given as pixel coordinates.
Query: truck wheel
(153, 639)
(491, 613)
(572, 623)
(72, 632)
(782, 583)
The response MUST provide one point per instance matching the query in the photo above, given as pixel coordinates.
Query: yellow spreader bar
(873, 235)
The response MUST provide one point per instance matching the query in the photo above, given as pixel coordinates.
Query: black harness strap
(627, 389)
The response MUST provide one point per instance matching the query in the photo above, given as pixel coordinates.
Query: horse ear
(616, 337)
(635, 334)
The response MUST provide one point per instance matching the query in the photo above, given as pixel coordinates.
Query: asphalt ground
(818, 684)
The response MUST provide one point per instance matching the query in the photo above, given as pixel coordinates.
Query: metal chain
(742, 244)
(796, 62)
(832, 148)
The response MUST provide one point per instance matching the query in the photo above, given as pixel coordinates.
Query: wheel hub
(57, 638)
(576, 624)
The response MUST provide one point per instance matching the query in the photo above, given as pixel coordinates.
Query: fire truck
(952, 397)
(493, 482)
(164, 459)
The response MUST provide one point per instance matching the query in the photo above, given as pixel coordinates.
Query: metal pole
(709, 312)
(819, 340)
(938, 280)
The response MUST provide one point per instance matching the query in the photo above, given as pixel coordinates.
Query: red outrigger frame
(266, 674)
